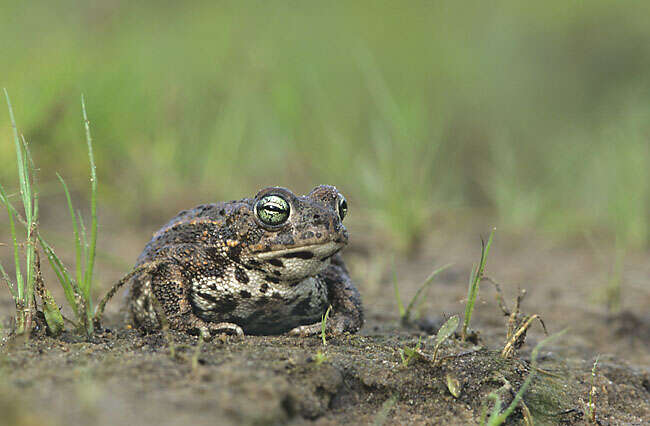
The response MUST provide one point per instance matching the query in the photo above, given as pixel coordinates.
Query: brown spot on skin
(264, 287)
(245, 294)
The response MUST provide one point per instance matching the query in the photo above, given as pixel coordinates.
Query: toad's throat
(311, 251)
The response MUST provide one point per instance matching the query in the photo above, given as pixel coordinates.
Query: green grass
(23, 290)
(408, 354)
(444, 332)
(535, 113)
(320, 357)
(406, 314)
(474, 282)
(323, 325)
(29, 281)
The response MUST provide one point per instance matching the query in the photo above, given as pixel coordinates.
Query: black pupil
(274, 208)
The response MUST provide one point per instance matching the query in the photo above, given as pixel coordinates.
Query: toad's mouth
(306, 252)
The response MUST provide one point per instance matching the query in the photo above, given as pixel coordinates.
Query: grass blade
(70, 287)
(5, 278)
(323, 324)
(75, 229)
(407, 314)
(472, 292)
(30, 165)
(90, 260)
(12, 230)
(84, 237)
(24, 189)
(32, 199)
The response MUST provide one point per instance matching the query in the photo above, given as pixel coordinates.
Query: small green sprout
(475, 279)
(407, 354)
(406, 318)
(446, 330)
(320, 357)
(323, 324)
(591, 405)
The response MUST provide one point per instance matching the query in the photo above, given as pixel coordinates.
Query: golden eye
(343, 206)
(272, 210)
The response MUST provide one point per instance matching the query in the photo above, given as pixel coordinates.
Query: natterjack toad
(263, 265)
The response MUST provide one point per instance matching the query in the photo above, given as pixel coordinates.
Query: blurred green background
(535, 113)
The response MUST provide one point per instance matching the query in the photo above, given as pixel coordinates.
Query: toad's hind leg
(153, 301)
(160, 300)
(144, 309)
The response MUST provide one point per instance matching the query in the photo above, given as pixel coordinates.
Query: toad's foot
(335, 325)
(210, 329)
(306, 330)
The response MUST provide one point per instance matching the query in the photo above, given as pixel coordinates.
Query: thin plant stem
(75, 229)
(472, 292)
(90, 260)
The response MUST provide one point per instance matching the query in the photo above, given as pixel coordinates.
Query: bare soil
(121, 376)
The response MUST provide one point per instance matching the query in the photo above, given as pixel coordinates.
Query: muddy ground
(123, 377)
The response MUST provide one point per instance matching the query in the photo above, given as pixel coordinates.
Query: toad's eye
(272, 210)
(343, 206)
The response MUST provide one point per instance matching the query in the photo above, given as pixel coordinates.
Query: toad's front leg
(347, 311)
